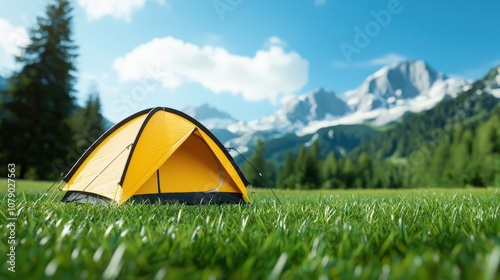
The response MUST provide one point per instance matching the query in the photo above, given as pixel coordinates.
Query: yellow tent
(156, 154)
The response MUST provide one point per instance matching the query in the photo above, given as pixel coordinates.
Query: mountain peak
(206, 111)
(393, 84)
(408, 67)
(212, 118)
(315, 105)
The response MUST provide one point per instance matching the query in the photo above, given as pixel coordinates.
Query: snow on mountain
(408, 86)
(210, 117)
(317, 105)
(493, 82)
(385, 87)
(389, 93)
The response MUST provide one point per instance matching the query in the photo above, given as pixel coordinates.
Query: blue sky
(246, 57)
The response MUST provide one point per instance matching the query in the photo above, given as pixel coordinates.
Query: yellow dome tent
(158, 154)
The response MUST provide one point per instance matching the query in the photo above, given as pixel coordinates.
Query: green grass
(27, 186)
(410, 234)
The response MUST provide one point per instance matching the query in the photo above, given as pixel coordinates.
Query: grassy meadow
(377, 234)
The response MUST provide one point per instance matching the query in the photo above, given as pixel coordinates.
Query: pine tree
(365, 166)
(312, 175)
(484, 153)
(460, 162)
(34, 129)
(437, 170)
(348, 172)
(257, 161)
(286, 176)
(91, 123)
(329, 171)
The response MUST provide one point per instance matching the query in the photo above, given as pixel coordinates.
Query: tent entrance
(193, 167)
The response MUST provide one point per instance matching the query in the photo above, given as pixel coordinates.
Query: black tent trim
(192, 198)
(141, 129)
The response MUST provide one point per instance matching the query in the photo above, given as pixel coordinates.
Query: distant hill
(341, 139)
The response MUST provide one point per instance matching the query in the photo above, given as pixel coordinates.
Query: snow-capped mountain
(382, 98)
(390, 85)
(393, 90)
(317, 105)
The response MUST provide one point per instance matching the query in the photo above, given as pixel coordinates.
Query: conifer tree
(312, 175)
(286, 176)
(92, 123)
(34, 129)
(329, 171)
(257, 161)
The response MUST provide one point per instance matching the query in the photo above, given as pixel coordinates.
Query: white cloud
(319, 2)
(270, 73)
(118, 9)
(12, 38)
(387, 59)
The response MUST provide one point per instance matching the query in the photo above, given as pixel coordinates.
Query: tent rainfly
(158, 154)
